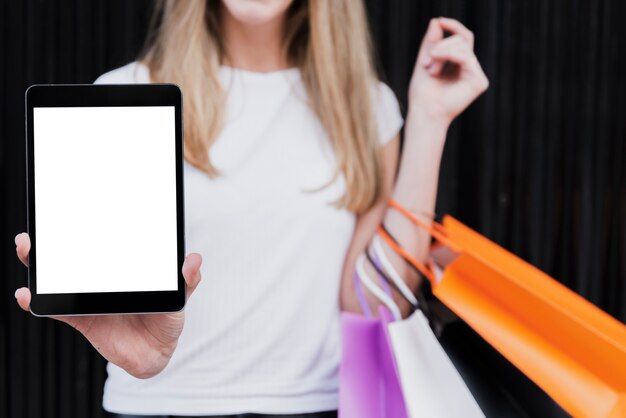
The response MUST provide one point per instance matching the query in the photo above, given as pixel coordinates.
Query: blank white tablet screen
(105, 196)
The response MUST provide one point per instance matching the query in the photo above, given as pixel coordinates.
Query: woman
(291, 148)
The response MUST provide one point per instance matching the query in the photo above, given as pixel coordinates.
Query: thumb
(434, 33)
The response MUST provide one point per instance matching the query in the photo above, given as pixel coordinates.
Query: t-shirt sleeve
(388, 115)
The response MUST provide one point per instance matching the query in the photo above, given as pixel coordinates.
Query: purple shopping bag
(369, 386)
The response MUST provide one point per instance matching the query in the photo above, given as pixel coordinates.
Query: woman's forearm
(416, 185)
(418, 172)
(446, 79)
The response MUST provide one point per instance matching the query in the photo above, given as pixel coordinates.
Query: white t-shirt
(262, 331)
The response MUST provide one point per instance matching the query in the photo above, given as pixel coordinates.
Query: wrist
(428, 114)
(425, 129)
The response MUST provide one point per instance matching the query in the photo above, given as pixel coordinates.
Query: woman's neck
(257, 48)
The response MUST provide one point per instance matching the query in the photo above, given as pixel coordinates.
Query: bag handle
(427, 271)
(380, 294)
(435, 229)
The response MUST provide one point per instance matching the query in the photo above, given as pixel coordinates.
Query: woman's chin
(256, 12)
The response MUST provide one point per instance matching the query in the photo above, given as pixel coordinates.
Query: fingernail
(16, 240)
(16, 293)
(427, 61)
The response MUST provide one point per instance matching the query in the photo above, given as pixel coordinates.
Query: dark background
(537, 164)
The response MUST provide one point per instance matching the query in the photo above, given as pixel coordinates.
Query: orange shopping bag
(570, 348)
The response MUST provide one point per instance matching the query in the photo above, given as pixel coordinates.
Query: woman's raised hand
(447, 76)
(140, 344)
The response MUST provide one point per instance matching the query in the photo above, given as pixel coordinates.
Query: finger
(434, 33)
(448, 63)
(23, 297)
(468, 63)
(455, 54)
(454, 41)
(436, 66)
(191, 272)
(456, 27)
(22, 247)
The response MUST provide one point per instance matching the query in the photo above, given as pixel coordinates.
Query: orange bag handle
(427, 271)
(435, 229)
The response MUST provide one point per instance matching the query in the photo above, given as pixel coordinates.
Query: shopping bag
(390, 365)
(431, 385)
(571, 349)
(369, 386)
(500, 388)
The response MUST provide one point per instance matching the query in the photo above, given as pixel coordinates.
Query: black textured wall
(537, 164)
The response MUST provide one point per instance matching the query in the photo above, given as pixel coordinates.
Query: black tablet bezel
(104, 95)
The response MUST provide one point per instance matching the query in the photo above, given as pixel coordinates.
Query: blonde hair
(327, 40)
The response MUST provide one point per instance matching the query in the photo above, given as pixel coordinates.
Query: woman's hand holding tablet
(140, 344)
(105, 232)
(105, 162)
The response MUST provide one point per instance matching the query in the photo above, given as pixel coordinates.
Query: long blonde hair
(327, 40)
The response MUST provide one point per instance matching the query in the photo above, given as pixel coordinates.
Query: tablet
(105, 199)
